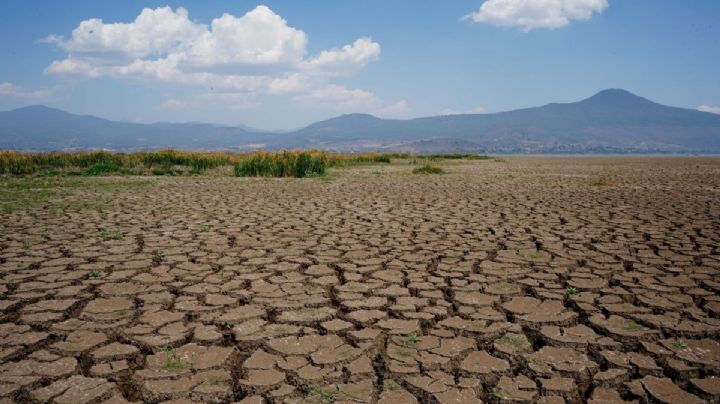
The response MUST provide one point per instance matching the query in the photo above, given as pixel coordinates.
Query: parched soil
(514, 280)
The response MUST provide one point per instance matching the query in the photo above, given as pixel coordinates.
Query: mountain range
(611, 121)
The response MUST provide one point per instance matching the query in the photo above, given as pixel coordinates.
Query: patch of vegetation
(166, 171)
(204, 228)
(569, 291)
(410, 340)
(95, 273)
(173, 362)
(403, 353)
(680, 344)
(107, 234)
(428, 169)
(511, 339)
(285, 164)
(158, 257)
(311, 163)
(321, 394)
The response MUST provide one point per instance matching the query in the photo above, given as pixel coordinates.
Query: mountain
(42, 128)
(611, 121)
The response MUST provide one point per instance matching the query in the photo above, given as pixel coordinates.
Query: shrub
(428, 169)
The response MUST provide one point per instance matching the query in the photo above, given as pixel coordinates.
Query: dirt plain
(511, 280)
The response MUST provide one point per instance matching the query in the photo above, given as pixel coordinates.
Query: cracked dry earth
(522, 280)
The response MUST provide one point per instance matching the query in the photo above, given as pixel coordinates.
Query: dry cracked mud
(512, 280)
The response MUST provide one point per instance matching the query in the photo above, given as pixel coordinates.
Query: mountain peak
(36, 108)
(616, 96)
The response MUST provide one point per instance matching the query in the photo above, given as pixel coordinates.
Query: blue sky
(284, 64)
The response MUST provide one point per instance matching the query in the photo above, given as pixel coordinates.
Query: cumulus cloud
(531, 14)
(349, 57)
(8, 89)
(709, 108)
(257, 53)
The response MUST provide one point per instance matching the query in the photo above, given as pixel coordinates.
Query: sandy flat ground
(510, 280)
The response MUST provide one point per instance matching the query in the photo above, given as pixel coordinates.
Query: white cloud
(8, 89)
(530, 14)
(349, 57)
(343, 99)
(258, 37)
(252, 55)
(709, 108)
(256, 52)
(476, 110)
(154, 32)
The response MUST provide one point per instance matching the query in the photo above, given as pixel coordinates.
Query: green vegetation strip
(310, 163)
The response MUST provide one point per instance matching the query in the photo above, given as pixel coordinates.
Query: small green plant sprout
(158, 257)
(204, 228)
(569, 291)
(410, 340)
(680, 344)
(95, 273)
(173, 362)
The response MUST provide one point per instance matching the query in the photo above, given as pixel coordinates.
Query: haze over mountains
(612, 121)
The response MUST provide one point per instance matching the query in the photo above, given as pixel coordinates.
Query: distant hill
(612, 121)
(43, 128)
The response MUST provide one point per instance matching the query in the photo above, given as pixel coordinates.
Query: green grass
(95, 273)
(319, 394)
(108, 234)
(569, 291)
(310, 163)
(285, 164)
(428, 169)
(173, 363)
(515, 340)
(680, 344)
(410, 340)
